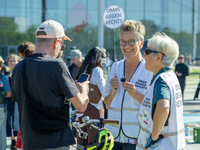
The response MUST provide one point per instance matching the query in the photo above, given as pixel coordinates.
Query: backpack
(2, 91)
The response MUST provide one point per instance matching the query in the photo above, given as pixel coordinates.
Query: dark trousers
(124, 146)
(197, 91)
(10, 119)
(182, 85)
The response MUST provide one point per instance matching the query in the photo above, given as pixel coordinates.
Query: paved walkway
(191, 113)
(192, 119)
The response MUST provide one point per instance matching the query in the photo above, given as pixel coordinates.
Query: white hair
(160, 42)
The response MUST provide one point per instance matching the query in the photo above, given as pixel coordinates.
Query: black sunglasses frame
(149, 51)
(63, 46)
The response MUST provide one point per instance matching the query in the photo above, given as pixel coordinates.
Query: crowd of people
(39, 90)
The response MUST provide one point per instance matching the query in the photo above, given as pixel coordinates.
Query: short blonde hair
(162, 43)
(1, 61)
(133, 25)
(13, 55)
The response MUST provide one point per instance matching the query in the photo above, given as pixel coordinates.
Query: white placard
(113, 16)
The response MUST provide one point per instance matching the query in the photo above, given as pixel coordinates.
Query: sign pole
(113, 17)
(114, 51)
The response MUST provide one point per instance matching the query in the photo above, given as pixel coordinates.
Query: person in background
(107, 63)
(144, 47)
(48, 83)
(161, 110)
(3, 69)
(68, 60)
(76, 58)
(92, 65)
(5, 97)
(181, 71)
(12, 125)
(25, 49)
(104, 64)
(121, 102)
(60, 55)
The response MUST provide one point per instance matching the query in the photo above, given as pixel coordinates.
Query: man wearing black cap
(181, 70)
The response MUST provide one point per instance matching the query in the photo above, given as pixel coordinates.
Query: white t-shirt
(98, 79)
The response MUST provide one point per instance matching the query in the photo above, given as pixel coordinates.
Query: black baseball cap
(145, 45)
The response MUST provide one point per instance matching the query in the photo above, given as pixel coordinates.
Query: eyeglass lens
(63, 46)
(149, 51)
(130, 42)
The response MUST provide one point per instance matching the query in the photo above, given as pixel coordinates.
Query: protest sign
(113, 16)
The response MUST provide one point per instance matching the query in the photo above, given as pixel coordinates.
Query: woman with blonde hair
(122, 103)
(12, 109)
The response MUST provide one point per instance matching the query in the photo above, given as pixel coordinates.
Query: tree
(30, 34)
(7, 29)
(150, 28)
(84, 39)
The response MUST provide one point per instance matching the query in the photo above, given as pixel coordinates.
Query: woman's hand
(151, 142)
(129, 87)
(114, 84)
(132, 91)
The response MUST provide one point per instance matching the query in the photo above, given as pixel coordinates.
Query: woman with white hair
(161, 111)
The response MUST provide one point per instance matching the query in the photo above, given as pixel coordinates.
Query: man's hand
(179, 74)
(83, 87)
(81, 100)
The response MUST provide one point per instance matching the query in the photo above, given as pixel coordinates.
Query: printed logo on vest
(141, 84)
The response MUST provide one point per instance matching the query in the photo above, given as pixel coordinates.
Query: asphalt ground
(191, 114)
(192, 119)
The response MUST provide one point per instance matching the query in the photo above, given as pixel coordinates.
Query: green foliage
(84, 40)
(86, 36)
(30, 34)
(7, 30)
(9, 34)
(150, 28)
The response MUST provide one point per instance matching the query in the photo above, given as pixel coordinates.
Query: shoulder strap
(90, 75)
(25, 85)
